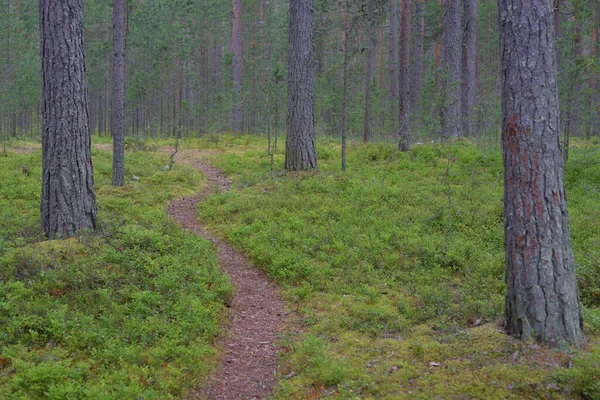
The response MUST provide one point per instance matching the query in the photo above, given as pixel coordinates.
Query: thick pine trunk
(469, 51)
(404, 106)
(451, 70)
(68, 197)
(369, 74)
(542, 298)
(237, 116)
(118, 94)
(300, 149)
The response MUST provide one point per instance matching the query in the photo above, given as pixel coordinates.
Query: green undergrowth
(127, 312)
(394, 270)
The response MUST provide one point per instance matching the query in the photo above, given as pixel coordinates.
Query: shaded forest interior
(186, 75)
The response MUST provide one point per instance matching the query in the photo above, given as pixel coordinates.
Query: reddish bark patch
(249, 364)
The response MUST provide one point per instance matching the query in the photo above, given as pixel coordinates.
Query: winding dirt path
(248, 367)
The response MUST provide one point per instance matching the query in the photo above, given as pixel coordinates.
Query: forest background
(179, 75)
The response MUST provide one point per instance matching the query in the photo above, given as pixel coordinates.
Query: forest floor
(248, 365)
(392, 275)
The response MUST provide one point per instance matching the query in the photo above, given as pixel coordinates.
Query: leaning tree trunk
(237, 115)
(469, 52)
(118, 94)
(542, 298)
(300, 148)
(451, 70)
(68, 197)
(404, 107)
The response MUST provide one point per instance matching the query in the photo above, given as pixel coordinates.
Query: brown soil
(248, 367)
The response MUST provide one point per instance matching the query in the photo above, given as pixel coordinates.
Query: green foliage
(399, 260)
(128, 312)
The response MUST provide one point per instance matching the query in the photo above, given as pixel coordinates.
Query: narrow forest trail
(248, 365)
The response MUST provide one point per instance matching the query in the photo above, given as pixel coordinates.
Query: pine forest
(299, 199)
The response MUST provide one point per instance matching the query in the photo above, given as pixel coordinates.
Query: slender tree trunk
(300, 151)
(394, 94)
(118, 94)
(557, 29)
(345, 89)
(237, 114)
(369, 74)
(593, 78)
(469, 51)
(404, 107)
(438, 51)
(542, 299)
(68, 197)
(451, 68)
(416, 81)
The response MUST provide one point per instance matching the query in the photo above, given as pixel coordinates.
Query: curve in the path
(248, 366)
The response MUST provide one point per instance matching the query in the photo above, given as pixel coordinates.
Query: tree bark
(404, 84)
(469, 52)
(451, 70)
(300, 151)
(369, 74)
(237, 115)
(68, 197)
(542, 298)
(118, 94)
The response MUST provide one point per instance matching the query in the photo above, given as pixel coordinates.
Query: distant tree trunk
(451, 70)
(438, 51)
(593, 78)
(575, 87)
(542, 299)
(404, 107)
(369, 74)
(557, 30)
(416, 80)
(345, 89)
(300, 149)
(469, 52)
(68, 197)
(237, 114)
(118, 94)
(394, 94)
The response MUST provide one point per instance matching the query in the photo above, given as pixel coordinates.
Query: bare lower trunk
(542, 298)
(118, 94)
(369, 74)
(68, 197)
(345, 89)
(451, 70)
(469, 51)
(404, 107)
(300, 151)
(237, 116)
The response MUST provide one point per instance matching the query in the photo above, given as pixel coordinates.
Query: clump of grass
(395, 265)
(130, 311)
